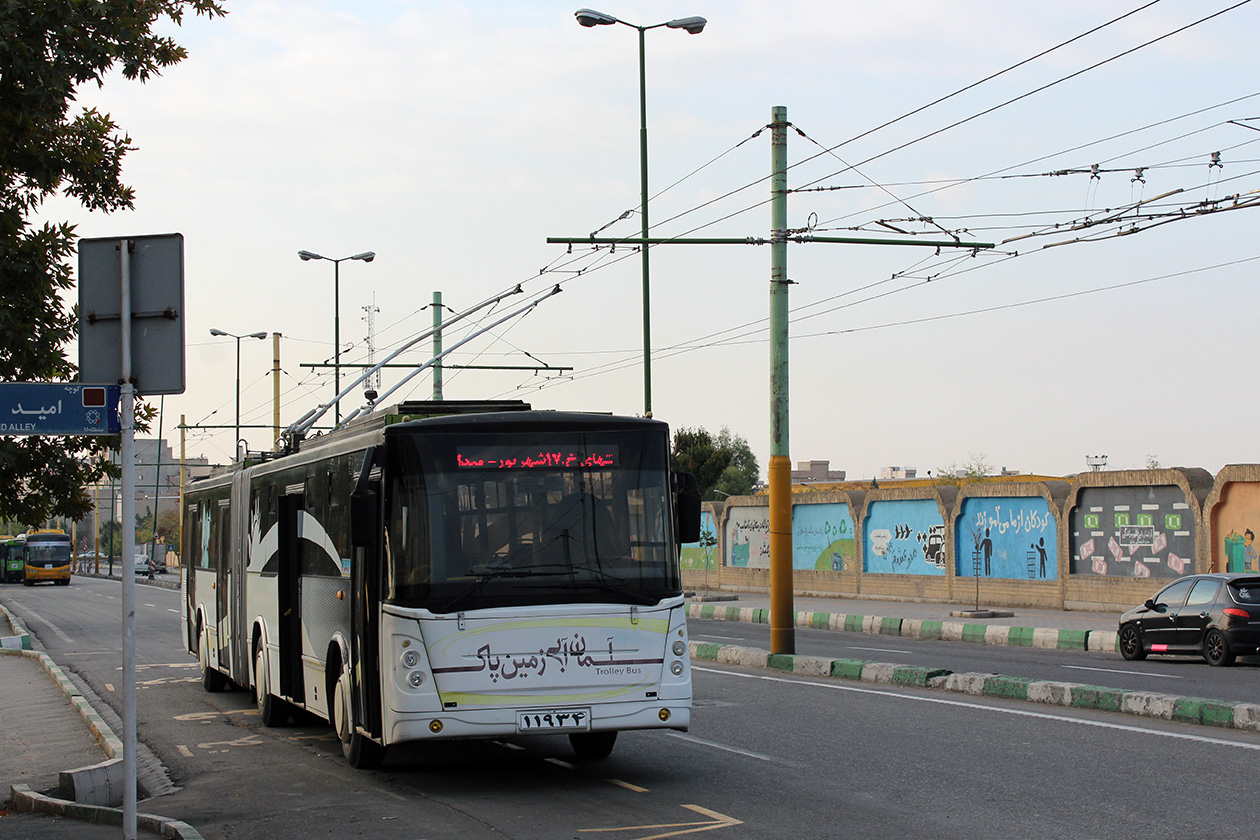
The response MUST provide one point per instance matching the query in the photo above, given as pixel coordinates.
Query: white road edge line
(1202, 739)
(1122, 671)
(694, 740)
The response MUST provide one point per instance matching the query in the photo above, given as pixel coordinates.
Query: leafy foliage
(724, 465)
(48, 48)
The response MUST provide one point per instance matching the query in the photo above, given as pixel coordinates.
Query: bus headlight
(676, 669)
(415, 679)
(410, 659)
(680, 648)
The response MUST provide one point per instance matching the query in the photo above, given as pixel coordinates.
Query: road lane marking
(566, 765)
(715, 820)
(942, 701)
(627, 785)
(184, 751)
(746, 753)
(880, 650)
(109, 686)
(714, 636)
(1123, 671)
(51, 626)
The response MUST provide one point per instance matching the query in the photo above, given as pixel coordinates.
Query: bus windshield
(489, 520)
(41, 553)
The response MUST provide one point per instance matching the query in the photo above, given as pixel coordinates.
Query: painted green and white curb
(1103, 641)
(1197, 710)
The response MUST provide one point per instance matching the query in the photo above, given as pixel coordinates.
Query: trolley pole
(782, 623)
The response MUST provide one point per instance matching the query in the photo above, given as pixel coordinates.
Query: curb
(26, 800)
(1196, 710)
(1100, 641)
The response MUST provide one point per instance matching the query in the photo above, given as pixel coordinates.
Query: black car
(1215, 615)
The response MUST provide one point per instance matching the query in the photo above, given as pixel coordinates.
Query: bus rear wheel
(362, 752)
(272, 711)
(212, 679)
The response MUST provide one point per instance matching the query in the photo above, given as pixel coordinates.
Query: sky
(453, 138)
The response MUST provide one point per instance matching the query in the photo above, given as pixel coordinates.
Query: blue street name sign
(58, 408)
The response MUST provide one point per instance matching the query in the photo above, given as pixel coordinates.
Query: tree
(47, 50)
(723, 465)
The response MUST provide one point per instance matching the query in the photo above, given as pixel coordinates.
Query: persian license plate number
(554, 720)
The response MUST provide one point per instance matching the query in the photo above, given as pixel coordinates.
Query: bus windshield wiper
(487, 572)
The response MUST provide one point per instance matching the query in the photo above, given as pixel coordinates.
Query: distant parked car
(1216, 616)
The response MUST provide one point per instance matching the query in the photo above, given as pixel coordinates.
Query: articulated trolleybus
(467, 575)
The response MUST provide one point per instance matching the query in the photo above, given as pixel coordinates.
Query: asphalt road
(769, 756)
(1184, 676)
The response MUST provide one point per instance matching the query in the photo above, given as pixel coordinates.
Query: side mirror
(687, 509)
(363, 517)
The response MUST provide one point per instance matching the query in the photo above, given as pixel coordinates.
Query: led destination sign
(514, 458)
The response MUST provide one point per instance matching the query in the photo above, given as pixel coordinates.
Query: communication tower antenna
(1096, 462)
(371, 385)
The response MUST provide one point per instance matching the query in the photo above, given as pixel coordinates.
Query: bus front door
(289, 586)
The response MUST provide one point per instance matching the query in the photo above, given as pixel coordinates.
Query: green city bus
(12, 563)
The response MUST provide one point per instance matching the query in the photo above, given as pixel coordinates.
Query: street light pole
(366, 256)
(236, 442)
(693, 26)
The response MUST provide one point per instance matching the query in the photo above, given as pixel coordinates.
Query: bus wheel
(362, 753)
(592, 745)
(211, 679)
(271, 709)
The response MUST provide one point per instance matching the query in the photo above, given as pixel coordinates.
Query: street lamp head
(693, 25)
(590, 17)
(257, 335)
(366, 256)
(309, 255)
(217, 332)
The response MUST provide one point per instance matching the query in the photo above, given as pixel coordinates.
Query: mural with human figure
(904, 537)
(1013, 537)
(1142, 532)
(1235, 523)
(823, 537)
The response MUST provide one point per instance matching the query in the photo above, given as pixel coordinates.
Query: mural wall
(823, 537)
(1006, 537)
(1235, 523)
(1139, 532)
(904, 537)
(747, 537)
(702, 554)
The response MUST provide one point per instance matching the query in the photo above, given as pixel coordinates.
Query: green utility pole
(782, 632)
(437, 346)
(782, 626)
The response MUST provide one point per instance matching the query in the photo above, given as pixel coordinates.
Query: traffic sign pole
(128, 411)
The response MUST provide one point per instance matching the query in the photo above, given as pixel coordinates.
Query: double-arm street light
(692, 26)
(366, 256)
(237, 440)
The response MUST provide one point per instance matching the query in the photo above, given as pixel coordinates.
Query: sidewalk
(48, 729)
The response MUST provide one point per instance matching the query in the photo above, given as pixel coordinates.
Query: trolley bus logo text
(567, 652)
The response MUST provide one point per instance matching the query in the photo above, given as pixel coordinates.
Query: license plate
(48, 565)
(554, 720)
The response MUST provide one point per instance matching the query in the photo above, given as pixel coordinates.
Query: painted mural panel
(822, 537)
(702, 554)
(747, 542)
(1013, 537)
(1142, 532)
(1235, 523)
(904, 537)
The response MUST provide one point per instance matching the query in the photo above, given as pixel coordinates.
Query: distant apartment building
(897, 473)
(816, 471)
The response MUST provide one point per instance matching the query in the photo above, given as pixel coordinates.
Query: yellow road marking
(184, 751)
(628, 786)
(717, 821)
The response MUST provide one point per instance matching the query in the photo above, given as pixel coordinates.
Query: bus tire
(593, 745)
(272, 711)
(363, 753)
(212, 680)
